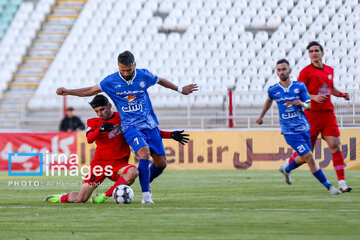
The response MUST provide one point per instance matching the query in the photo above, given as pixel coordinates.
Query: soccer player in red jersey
(111, 155)
(318, 78)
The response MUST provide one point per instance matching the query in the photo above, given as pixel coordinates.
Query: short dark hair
(99, 101)
(315, 43)
(69, 109)
(126, 58)
(283, 61)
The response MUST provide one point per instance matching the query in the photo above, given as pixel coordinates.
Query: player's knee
(308, 157)
(143, 153)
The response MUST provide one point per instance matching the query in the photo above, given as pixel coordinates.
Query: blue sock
(321, 177)
(144, 174)
(155, 171)
(291, 166)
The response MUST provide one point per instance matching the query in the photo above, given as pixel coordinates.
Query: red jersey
(109, 145)
(319, 81)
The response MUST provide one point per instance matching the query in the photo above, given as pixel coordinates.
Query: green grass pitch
(222, 204)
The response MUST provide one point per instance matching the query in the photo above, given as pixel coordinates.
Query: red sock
(120, 181)
(293, 157)
(64, 198)
(339, 165)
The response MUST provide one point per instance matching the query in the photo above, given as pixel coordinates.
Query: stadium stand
(228, 44)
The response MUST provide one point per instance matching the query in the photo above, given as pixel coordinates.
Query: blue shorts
(145, 137)
(300, 142)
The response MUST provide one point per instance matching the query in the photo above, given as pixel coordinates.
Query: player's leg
(338, 161)
(331, 135)
(136, 140)
(157, 154)
(158, 166)
(73, 197)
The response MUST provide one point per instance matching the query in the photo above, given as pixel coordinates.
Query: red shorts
(322, 122)
(99, 170)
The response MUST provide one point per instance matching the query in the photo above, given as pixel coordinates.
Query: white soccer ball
(123, 194)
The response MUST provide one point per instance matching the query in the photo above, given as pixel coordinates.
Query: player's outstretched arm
(176, 135)
(80, 92)
(266, 107)
(184, 90)
(337, 93)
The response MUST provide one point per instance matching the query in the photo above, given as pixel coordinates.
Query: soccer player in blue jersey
(291, 98)
(128, 90)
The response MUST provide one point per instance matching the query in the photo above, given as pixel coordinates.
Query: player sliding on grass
(111, 154)
(291, 97)
(128, 90)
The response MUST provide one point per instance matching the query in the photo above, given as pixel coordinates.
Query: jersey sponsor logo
(290, 115)
(296, 90)
(142, 84)
(88, 129)
(324, 89)
(132, 108)
(330, 76)
(129, 92)
(115, 132)
(288, 104)
(130, 98)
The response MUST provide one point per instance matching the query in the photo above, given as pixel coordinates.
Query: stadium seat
(325, 36)
(354, 70)
(309, 35)
(332, 44)
(255, 45)
(272, 4)
(313, 11)
(295, 53)
(339, 70)
(248, 53)
(281, 11)
(299, 27)
(316, 28)
(335, 3)
(353, 18)
(250, 71)
(288, 4)
(340, 52)
(345, 10)
(347, 61)
(347, 44)
(257, 62)
(273, 21)
(347, 26)
(332, 61)
(242, 63)
(331, 27)
(353, 35)
(338, 18)
(293, 36)
(354, 52)
(291, 19)
(258, 21)
(297, 11)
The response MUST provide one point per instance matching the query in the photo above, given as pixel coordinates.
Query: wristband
(343, 95)
(305, 106)
(179, 89)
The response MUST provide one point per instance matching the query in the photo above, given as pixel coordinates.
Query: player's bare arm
(80, 92)
(185, 89)
(320, 98)
(337, 93)
(266, 107)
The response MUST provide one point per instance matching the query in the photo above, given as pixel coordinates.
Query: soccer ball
(123, 194)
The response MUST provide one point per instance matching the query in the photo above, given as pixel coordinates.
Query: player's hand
(297, 102)
(347, 96)
(259, 121)
(62, 91)
(106, 127)
(319, 98)
(180, 137)
(189, 89)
